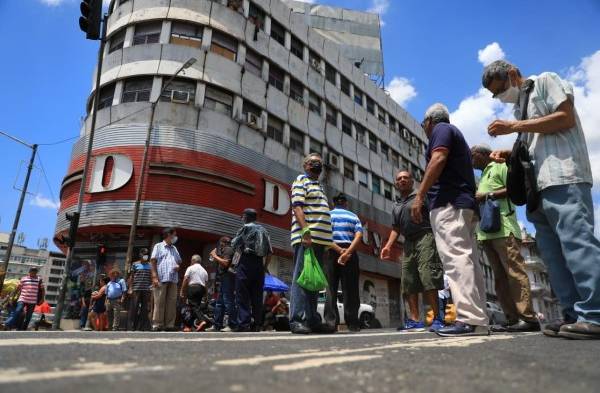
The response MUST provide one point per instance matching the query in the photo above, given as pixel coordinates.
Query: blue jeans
(442, 309)
(564, 225)
(83, 316)
(225, 302)
(12, 321)
(303, 303)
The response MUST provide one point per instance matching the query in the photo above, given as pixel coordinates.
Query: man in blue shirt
(347, 233)
(449, 183)
(165, 262)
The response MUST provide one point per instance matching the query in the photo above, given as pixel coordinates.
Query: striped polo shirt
(29, 289)
(309, 194)
(345, 225)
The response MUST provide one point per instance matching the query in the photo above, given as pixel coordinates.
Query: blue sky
(434, 51)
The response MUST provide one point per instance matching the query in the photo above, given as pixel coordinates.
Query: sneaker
(460, 329)
(213, 329)
(227, 329)
(553, 328)
(412, 326)
(300, 329)
(436, 325)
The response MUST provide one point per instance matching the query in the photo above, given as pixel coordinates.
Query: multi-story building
(230, 131)
(53, 273)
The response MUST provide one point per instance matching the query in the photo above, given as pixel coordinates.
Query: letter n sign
(277, 199)
(111, 172)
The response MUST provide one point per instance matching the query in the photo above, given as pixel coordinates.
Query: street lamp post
(13, 232)
(140, 185)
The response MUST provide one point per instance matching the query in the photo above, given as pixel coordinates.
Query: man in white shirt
(564, 217)
(194, 289)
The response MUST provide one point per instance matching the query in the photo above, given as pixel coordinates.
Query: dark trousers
(303, 303)
(442, 309)
(195, 295)
(226, 301)
(249, 282)
(139, 310)
(348, 275)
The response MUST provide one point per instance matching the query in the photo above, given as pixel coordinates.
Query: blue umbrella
(274, 284)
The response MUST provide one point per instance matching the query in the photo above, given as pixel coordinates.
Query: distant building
(52, 274)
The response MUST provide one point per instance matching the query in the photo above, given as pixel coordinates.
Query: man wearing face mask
(165, 262)
(564, 218)
(311, 227)
(139, 288)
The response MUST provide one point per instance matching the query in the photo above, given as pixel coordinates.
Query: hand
(176, 268)
(501, 127)
(343, 259)
(213, 253)
(416, 210)
(306, 240)
(342, 251)
(500, 156)
(480, 197)
(155, 282)
(386, 253)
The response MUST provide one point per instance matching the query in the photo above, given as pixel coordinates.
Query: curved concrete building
(231, 131)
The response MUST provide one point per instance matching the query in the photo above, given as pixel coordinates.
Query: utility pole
(140, 184)
(13, 232)
(92, 23)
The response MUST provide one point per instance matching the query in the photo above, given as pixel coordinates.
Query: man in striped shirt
(32, 293)
(311, 227)
(347, 233)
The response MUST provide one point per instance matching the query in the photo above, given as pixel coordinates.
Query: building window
(346, 125)
(361, 134)
(381, 115)
(224, 45)
(187, 34)
(393, 124)
(182, 91)
(358, 96)
(385, 151)
(372, 142)
(297, 48)
(395, 159)
(331, 115)
(249, 107)
(106, 96)
(376, 185)
(370, 105)
(256, 15)
(56, 271)
(276, 77)
(58, 263)
(296, 90)
(253, 63)
(348, 169)
(137, 90)
(314, 61)
(296, 140)
(117, 40)
(387, 190)
(330, 73)
(345, 85)
(275, 129)
(54, 280)
(315, 146)
(363, 177)
(314, 103)
(218, 100)
(277, 32)
(147, 33)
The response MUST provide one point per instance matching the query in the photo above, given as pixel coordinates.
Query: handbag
(521, 182)
(491, 221)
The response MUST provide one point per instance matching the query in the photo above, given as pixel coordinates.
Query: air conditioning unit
(405, 134)
(253, 121)
(333, 161)
(180, 97)
(316, 64)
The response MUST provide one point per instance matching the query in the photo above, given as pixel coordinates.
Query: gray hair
(482, 148)
(438, 113)
(196, 258)
(310, 156)
(497, 70)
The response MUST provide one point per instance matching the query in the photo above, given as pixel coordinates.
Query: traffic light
(100, 255)
(91, 17)
(73, 218)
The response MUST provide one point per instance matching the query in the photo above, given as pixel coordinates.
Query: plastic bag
(312, 277)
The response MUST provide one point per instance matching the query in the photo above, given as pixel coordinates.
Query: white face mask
(174, 239)
(145, 258)
(510, 95)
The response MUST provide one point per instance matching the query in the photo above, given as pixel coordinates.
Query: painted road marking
(20, 375)
(318, 362)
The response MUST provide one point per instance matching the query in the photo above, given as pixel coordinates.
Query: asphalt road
(372, 361)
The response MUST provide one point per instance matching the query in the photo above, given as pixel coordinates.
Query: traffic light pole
(13, 232)
(63, 289)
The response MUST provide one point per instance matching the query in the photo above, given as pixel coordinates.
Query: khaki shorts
(421, 266)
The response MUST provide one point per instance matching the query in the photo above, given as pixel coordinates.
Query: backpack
(521, 182)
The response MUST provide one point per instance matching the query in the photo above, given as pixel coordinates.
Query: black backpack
(521, 182)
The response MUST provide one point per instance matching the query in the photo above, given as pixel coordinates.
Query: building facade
(231, 131)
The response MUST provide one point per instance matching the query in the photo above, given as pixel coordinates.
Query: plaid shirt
(167, 257)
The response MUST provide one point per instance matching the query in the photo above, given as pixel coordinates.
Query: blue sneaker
(436, 325)
(462, 329)
(412, 326)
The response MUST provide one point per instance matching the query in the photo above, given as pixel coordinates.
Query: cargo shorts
(422, 268)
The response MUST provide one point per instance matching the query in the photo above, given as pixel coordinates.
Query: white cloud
(41, 201)
(379, 7)
(52, 3)
(490, 53)
(401, 90)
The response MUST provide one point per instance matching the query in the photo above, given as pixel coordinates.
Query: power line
(46, 178)
(58, 142)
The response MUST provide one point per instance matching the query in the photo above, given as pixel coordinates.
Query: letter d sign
(122, 170)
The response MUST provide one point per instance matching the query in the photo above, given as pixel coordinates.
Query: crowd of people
(438, 222)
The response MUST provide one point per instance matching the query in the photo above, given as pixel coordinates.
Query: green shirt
(492, 179)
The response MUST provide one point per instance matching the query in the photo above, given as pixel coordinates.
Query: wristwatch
(491, 195)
